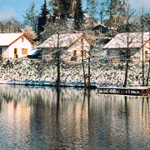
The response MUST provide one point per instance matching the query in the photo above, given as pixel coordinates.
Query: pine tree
(31, 17)
(42, 18)
(78, 15)
(115, 10)
(91, 10)
(62, 8)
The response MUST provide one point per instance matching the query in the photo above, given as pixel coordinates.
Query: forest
(116, 15)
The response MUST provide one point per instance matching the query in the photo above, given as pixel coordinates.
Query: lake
(36, 118)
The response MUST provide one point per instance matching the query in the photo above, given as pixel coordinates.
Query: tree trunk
(58, 63)
(148, 74)
(84, 76)
(110, 14)
(127, 60)
(148, 61)
(142, 50)
(58, 70)
(126, 74)
(89, 75)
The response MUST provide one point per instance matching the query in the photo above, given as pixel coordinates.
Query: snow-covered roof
(120, 40)
(6, 39)
(65, 40)
(99, 24)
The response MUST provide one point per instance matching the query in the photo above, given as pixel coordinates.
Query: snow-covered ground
(33, 72)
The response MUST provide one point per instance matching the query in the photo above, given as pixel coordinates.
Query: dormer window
(22, 39)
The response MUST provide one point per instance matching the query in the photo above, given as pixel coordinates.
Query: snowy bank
(34, 72)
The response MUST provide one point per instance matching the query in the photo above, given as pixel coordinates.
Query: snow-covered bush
(101, 73)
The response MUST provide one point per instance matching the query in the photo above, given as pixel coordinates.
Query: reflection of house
(15, 45)
(100, 28)
(117, 47)
(72, 46)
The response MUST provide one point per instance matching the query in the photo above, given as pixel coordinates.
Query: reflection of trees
(0, 104)
(145, 113)
(89, 120)
(75, 119)
(83, 105)
(127, 122)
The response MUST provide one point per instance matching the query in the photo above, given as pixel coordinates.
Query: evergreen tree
(78, 15)
(43, 17)
(62, 8)
(92, 11)
(115, 11)
(31, 17)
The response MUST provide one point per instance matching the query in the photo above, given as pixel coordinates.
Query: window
(0, 52)
(83, 52)
(24, 51)
(22, 39)
(146, 55)
(75, 53)
(15, 53)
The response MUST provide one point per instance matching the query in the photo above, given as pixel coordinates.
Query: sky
(16, 8)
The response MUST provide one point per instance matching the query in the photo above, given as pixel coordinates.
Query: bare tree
(142, 33)
(83, 66)
(147, 82)
(10, 26)
(29, 30)
(128, 14)
(55, 51)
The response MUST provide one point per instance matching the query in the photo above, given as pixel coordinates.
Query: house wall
(9, 52)
(138, 55)
(135, 54)
(68, 53)
(5, 51)
(78, 47)
(117, 55)
(47, 53)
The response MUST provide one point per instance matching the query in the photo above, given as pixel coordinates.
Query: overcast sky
(16, 8)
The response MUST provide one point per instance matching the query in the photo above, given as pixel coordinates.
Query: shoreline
(46, 83)
(94, 85)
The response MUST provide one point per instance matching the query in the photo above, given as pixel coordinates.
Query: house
(15, 45)
(99, 28)
(71, 45)
(118, 46)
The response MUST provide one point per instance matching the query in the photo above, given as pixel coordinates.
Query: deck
(139, 91)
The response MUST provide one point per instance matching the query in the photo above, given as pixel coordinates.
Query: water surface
(49, 118)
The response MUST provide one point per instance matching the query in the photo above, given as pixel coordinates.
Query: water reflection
(49, 118)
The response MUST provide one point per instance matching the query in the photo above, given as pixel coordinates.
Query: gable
(84, 36)
(7, 39)
(121, 41)
(78, 46)
(23, 35)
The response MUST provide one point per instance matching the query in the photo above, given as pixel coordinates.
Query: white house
(118, 46)
(72, 46)
(15, 45)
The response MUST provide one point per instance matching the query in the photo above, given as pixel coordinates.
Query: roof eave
(122, 48)
(25, 35)
(3, 45)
